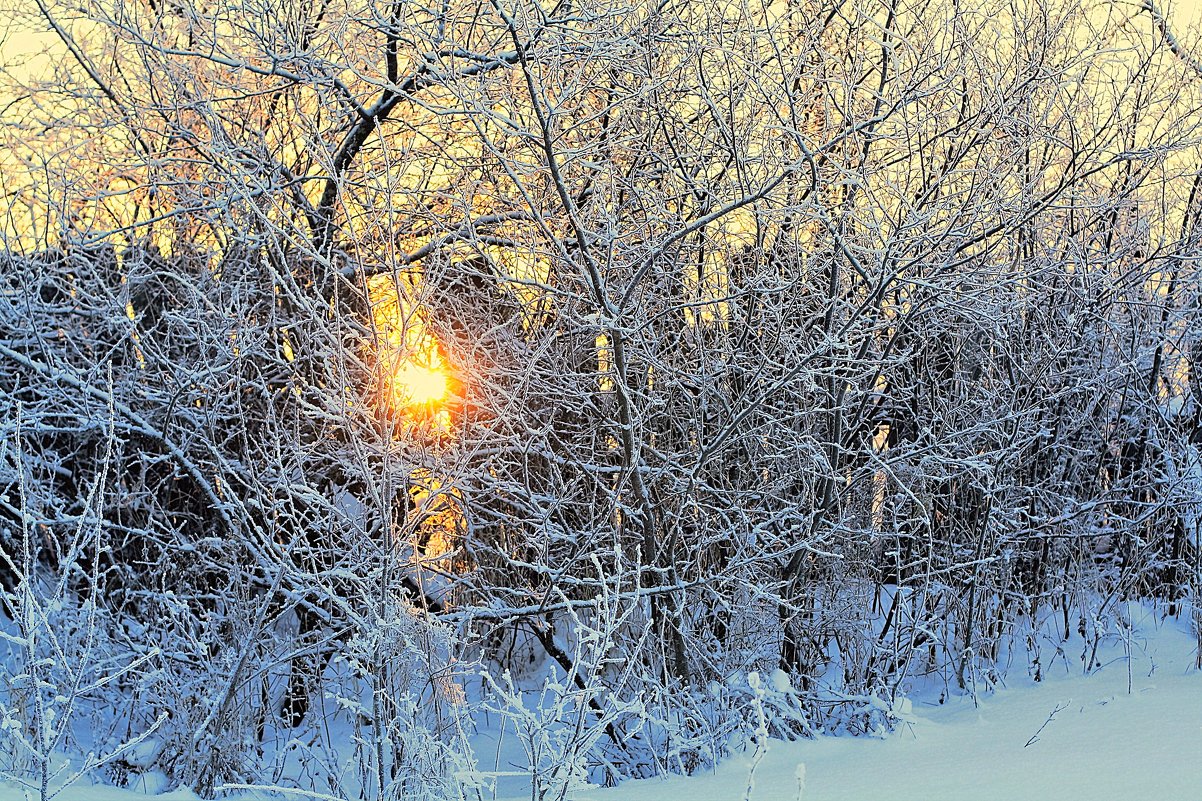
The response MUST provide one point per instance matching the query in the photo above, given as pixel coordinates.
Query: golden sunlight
(413, 375)
(413, 384)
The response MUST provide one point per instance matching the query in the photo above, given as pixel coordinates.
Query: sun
(418, 385)
(415, 380)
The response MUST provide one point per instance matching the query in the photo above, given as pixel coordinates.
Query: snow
(1071, 736)
(1103, 744)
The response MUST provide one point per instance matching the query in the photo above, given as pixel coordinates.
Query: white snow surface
(1104, 743)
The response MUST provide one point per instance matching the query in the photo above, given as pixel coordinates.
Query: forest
(643, 377)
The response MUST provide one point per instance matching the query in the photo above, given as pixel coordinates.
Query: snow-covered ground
(1104, 744)
(1068, 737)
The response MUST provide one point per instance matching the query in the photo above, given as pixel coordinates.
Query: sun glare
(418, 385)
(414, 378)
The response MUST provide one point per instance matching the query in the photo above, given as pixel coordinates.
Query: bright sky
(1187, 11)
(1185, 16)
(18, 45)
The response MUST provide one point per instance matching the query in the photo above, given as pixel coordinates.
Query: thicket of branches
(854, 341)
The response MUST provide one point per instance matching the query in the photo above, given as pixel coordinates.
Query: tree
(820, 338)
